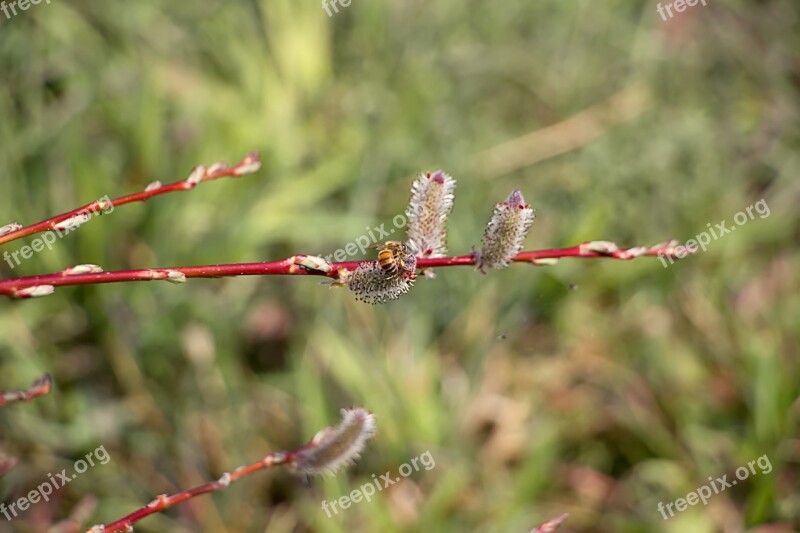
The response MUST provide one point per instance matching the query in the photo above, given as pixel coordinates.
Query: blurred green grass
(534, 399)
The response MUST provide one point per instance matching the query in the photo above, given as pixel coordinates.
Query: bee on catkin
(391, 257)
(391, 276)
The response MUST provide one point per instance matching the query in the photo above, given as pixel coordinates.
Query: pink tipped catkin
(505, 232)
(431, 202)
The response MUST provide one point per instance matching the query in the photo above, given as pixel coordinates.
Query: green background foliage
(594, 387)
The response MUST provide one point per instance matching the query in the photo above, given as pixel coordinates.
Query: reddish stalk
(163, 501)
(329, 450)
(40, 387)
(200, 174)
(32, 286)
(551, 525)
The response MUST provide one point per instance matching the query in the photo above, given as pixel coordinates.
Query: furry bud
(505, 232)
(372, 284)
(431, 202)
(36, 291)
(336, 447)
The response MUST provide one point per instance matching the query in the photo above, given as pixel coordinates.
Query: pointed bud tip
(515, 199)
(72, 222)
(82, 269)
(197, 175)
(8, 228)
(37, 291)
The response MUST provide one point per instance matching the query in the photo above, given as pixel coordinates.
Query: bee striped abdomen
(391, 255)
(387, 261)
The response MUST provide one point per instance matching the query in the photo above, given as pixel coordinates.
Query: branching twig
(33, 286)
(40, 387)
(248, 165)
(331, 449)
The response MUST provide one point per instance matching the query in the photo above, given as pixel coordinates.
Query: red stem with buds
(296, 265)
(330, 449)
(219, 170)
(40, 387)
(165, 502)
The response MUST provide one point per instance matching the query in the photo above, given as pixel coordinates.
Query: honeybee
(391, 256)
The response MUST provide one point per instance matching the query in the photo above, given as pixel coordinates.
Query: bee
(391, 257)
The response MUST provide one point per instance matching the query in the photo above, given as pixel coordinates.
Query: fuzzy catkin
(505, 232)
(373, 285)
(431, 202)
(338, 446)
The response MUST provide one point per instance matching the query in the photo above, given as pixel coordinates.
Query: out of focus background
(598, 388)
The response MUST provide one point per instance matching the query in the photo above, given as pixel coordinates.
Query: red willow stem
(40, 387)
(299, 265)
(330, 449)
(219, 170)
(165, 502)
(551, 525)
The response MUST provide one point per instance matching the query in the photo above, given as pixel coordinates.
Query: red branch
(165, 502)
(40, 387)
(551, 525)
(330, 449)
(218, 170)
(32, 286)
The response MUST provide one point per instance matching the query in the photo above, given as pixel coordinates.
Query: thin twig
(331, 449)
(200, 174)
(163, 501)
(40, 387)
(551, 525)
(33, 286)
